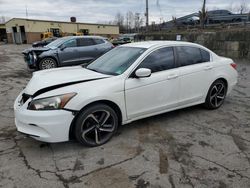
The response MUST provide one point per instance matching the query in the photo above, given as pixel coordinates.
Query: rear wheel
(216, 95)
(47, 63)
(96, 125)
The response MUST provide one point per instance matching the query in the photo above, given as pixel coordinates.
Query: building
(21, 30)
(2, 32)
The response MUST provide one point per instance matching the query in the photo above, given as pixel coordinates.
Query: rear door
(88, 50)
(102, 46)
(196, 70)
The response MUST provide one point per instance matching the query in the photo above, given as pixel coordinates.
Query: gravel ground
(192, 147)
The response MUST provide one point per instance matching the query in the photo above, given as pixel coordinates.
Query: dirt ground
(193, 147)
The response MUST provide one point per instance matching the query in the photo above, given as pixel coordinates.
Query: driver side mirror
(142, 73)
(62, 47)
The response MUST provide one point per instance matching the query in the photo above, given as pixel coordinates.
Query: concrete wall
(233, 44)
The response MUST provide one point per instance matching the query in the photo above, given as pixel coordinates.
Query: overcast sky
(98, 11)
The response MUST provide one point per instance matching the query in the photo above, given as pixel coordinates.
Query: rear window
(85, 42)
(188, 55)
(191, 55)
(99, 41)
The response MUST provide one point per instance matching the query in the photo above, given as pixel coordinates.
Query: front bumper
(29, 60)
(46, 126)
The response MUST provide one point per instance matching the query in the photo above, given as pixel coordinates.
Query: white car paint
(136, 98)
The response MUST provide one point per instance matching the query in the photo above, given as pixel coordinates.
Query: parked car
(121, 41)
(225, 16)
(130, 82)
(43, 42)
(66, 51)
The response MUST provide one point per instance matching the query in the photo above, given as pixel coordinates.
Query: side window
(159, 60)
(205, 55)
(85, 42)
(98, 41)
(70, 43)
(188, 55)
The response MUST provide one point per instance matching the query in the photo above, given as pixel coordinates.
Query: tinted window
(70, 43)
(98, 41)
(205, 56)
(159, 60)
(85, 42)
(188, 55)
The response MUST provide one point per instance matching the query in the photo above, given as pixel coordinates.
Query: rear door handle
(209, 67)
(172, 76)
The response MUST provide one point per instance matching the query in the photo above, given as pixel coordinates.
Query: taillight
(234, 65)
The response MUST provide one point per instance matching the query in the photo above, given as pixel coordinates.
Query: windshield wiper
(90, 69)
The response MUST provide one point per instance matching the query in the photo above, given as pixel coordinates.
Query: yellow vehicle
(46, 35)
(77, 34)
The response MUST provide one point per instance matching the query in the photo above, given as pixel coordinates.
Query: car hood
(46, 80)
(37, 49)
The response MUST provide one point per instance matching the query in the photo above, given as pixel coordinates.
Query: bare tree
(174, 20)
(2, 19)
(203, 15)
(138, 22)
(243, 8)
(119, 20)
(130, 21)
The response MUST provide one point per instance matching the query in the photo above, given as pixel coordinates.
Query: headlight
(34, 56)
(51, 103)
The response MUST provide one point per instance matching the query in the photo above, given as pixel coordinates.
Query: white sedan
(128, 83)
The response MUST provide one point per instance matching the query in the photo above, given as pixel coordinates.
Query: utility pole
(26, 12)
(146, 14)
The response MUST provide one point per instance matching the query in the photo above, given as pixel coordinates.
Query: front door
(69, 53)
(157, 93)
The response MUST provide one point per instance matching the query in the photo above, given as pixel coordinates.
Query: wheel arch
(218, 78)
(111, 104)
(44, 57)
(224, 80)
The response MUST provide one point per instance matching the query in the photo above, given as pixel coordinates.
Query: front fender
(50, 53)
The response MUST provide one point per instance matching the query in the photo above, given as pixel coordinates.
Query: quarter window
(205, 56)
(159, 60)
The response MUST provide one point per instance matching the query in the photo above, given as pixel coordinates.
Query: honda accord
(130, 82)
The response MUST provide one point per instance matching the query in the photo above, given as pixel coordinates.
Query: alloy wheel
(48, 64)
(98, 127)
(217, 94)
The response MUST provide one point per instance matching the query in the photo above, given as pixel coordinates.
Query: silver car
(67, 51)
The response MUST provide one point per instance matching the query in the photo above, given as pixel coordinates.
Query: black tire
(96, 125)
(47, 63)
(216, 95)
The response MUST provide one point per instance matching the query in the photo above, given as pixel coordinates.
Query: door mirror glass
(62, 47)
(143, 72)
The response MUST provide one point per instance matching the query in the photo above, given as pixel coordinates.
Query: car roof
(152, 44)
(84, 36)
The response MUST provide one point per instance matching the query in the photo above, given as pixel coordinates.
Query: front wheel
(96, 125)
(216, 95)
(47, 63)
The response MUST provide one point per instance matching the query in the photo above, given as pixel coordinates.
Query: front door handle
(172, 76)
(209, 67)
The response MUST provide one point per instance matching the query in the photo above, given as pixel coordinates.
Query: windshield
(56, 43)
(116, 61)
